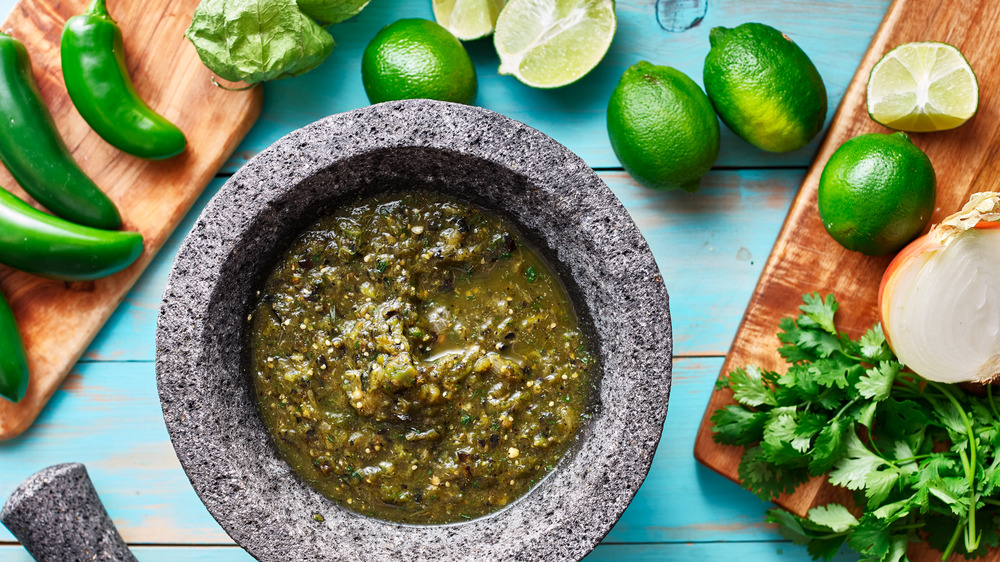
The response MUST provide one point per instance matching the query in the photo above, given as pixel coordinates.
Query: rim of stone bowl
(560, 204)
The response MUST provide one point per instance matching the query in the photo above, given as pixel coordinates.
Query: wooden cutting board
(58, 320)
(805, 259)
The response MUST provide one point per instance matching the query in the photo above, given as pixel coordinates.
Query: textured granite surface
(564, 209)
(57, 516)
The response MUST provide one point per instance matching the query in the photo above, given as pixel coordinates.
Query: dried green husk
(257, 40)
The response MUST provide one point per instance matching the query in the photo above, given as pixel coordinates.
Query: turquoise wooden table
(710, 247)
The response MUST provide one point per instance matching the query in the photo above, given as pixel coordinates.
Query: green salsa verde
(417, 361)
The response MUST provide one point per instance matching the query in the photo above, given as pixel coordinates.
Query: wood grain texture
(805, 259)
(58, 320)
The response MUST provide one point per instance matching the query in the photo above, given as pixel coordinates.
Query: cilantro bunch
(920, 457)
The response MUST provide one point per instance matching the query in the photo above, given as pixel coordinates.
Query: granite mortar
(560, 204)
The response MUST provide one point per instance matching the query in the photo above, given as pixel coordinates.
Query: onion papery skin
(940, 303)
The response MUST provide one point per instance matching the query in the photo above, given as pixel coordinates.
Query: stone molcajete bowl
(560, 204)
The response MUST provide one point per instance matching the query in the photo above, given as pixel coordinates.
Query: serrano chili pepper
(13, 363)
(48, 246)
(35, 154)
(93, 65)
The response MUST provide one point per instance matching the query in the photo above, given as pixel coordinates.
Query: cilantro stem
(954, 540)
(971, 539)
(909, 383)
(918, 457)
(854, 357)
(876, 450)
(844, 409)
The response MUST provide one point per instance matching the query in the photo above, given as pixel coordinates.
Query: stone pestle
(57, 516)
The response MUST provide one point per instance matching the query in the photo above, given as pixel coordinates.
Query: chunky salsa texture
(416, 361)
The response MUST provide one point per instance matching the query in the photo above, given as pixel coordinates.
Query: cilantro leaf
(870, 537)
(991, 480)
(879, 483)
(809, 424)
(865, 414)
(852, 470)
(777, 445)
(819, 542)
(798, 380)
(897, 548)
(939, 465)
(835, 372)
(766, 480)
(952, 492)
(876, 383)
(823, 344)
(902, 417)
(820, 311)
(750, 388)
(951, 419)
(789, 525)
(873, 346)
(735, 425)
(788, 435)
(833, 515)
(895, 510)
(791, 351)
(828, 448)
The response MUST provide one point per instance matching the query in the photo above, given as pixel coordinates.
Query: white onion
(940, 297)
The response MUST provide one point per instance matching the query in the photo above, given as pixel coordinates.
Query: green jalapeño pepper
(93, 65)
(48, 246)
(13, 363)
(35, 154)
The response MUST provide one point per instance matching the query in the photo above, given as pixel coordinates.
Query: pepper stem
(98, 8)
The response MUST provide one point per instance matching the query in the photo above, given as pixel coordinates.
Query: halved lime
(551, 43)
(922, 87)
(467, 19)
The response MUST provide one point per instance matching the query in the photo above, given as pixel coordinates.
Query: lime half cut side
(552, 43)
(467, 19)
(922, 87)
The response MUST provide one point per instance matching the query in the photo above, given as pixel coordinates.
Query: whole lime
(876, 193)
(662, 127)
(764, 87)
(416, 58)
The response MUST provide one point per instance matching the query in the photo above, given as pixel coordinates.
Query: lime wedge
(922, 87)
(551, 43)
(467, 19)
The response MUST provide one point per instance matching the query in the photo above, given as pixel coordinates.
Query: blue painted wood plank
(710, 246)
(835, 37)
(108, 417)
(670, 552)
